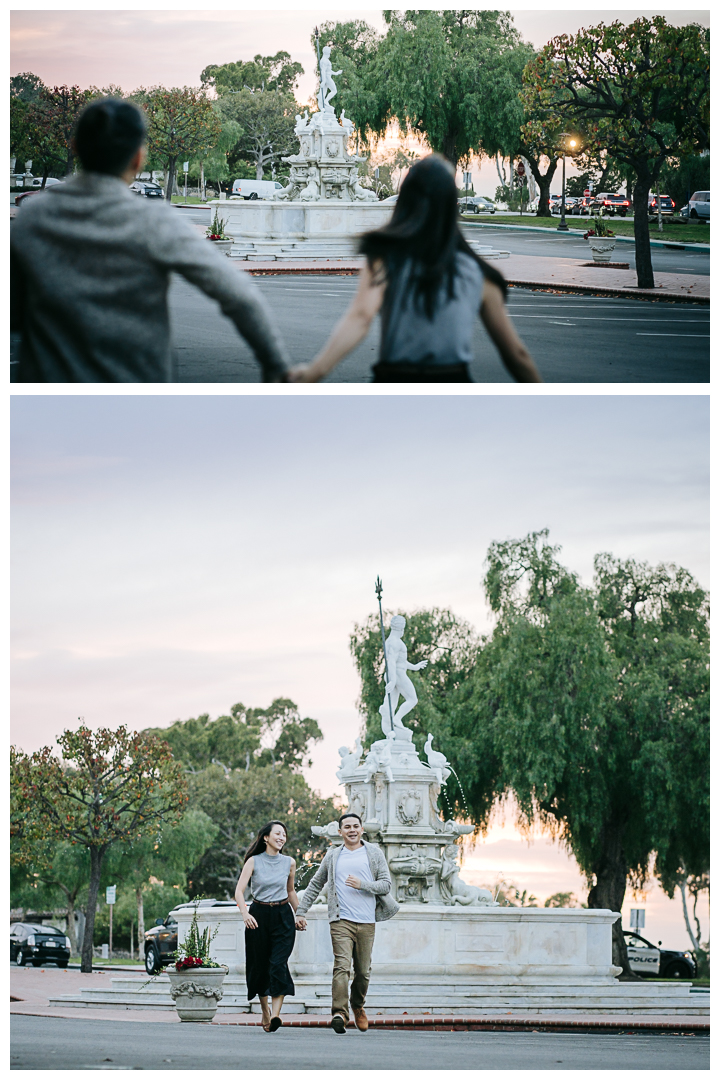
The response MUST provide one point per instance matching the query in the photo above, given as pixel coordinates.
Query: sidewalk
(36, 985)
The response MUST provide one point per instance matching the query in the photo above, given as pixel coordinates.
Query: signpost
(185, 170)
(467, 178)
(637, 918)
(110, 900)
(520, 171)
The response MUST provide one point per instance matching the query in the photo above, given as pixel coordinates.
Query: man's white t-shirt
(355, 904)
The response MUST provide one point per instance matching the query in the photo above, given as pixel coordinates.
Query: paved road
(51, 1043)
(572, 338)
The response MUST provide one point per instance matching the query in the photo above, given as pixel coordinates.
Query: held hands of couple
(300, 923)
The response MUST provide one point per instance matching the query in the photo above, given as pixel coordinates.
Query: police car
(648, 959)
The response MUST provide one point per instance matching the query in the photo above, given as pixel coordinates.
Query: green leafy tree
(681, 178)
(108, 787)
(240, 802)
(182, 124)
(26, 86)
(279, 72)
(235, 741)
(432, 71)
(562, 900)
(59, 108)
(167, 856)
(266, 120)
(641, 93)
(597, 701)
(58, 882)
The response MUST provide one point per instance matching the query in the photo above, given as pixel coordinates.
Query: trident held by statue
(322, 96)
(378, 591)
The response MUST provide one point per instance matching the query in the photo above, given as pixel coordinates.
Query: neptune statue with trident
(397, 682)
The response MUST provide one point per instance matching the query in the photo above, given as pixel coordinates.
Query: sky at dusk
(173, 555)
(129, 48)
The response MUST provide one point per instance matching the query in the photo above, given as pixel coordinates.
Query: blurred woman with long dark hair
(429, 286)
(269, 921)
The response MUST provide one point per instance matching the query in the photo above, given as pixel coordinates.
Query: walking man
(91, 264)
(358, 890)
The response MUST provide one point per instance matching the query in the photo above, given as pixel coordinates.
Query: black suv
(38, 944)
(161, 940)
(648, 959)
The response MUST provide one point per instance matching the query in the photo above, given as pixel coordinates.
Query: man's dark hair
(108, 134)
(342, 818)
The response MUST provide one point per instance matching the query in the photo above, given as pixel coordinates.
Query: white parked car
(699, 205)
(256, 189)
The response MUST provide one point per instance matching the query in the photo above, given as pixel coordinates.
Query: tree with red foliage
(107, 787)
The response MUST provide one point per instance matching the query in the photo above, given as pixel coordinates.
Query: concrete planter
(196, 991)
(223, 246)
(602, 247)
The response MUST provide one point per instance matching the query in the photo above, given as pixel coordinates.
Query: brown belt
(272, 903)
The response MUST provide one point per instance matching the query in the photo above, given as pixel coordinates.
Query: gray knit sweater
(385, 905)
(90, 269)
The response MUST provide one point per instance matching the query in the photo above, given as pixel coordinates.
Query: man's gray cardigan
(91, 263)
(385, 905)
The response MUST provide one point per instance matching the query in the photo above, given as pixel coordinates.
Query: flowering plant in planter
(194, 951)
(216, 231)
(600, 228)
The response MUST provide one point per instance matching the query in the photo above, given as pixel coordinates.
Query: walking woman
(429, 287)
(269, 921)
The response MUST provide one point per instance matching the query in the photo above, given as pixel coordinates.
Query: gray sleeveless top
(269, 877)
(407, 333)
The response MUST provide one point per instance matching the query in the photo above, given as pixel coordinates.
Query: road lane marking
(605, 318)
(647, 333)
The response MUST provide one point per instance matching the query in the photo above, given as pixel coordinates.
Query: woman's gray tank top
(407, 333)
(270, 877)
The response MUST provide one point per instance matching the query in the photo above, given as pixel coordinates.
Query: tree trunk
(258, 170)
(693, 939)
(96, 858)
(643, 259)
(448, 149)
(141, 919)
(610, 871)
(170, 178)
(543, 182)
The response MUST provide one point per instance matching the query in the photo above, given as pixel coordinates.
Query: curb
(601, 290)
(550, 286)
(581, 232)
(510, 1023)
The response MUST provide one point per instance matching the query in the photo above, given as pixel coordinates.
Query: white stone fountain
(324, 207)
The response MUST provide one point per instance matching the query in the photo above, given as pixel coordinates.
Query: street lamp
(564, 135)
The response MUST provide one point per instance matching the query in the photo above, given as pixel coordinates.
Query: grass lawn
(672, 231)
(193, 200)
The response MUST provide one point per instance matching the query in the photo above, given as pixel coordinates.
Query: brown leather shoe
(361, 1020)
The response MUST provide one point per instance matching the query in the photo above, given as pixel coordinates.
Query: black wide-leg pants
(268, 949)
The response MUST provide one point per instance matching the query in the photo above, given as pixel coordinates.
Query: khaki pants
(352, 944)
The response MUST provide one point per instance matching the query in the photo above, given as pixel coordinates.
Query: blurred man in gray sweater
(91, 265)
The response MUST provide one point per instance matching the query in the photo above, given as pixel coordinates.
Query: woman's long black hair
(258, 845)
(424, 229)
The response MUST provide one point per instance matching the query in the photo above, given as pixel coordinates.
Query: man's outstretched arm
(183, 250)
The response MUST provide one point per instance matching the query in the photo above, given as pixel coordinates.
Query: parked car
(648, 959)
(476, 204)
(147, 190)
(39, 944)
(50, 182)
(667, 206)
(161, 940)
(699, 206)
(255, 189)
(611, 204)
